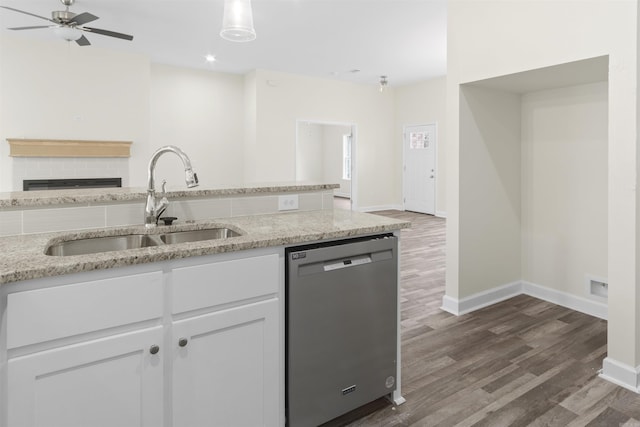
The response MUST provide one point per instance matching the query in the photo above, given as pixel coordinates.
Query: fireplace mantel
(20, 147)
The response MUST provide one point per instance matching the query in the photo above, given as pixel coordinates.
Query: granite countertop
(96, 195)
(23, 256)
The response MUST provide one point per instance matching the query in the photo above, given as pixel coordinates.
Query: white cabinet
(226, 362)
(114, 381)
(180, 343)
(225, 368)
(79, 354)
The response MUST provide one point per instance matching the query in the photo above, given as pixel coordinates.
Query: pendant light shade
(237, 22)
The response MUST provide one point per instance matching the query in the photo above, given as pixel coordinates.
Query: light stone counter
(23, 256)
(126, 194)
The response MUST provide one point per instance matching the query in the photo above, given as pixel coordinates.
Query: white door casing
(419, 169)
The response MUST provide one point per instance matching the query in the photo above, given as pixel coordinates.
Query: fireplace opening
(61, 184)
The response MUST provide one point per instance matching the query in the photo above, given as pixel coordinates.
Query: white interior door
(419, 171)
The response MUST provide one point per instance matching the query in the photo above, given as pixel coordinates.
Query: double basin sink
(94, 245)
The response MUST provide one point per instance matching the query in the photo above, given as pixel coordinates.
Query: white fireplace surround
(63, 167)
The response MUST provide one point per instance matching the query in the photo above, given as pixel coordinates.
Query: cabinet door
(227, 373)
(114, 381)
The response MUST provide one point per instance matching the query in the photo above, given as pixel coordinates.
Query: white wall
(489, 188)
(62, 91)
(202, 113)
(564, 187)
(494, 38)
(310, 152)
(282, 99)
(250, 121)
(420, 104)
(533, 196)
(333, 139)
(6, 168)
(319, 154)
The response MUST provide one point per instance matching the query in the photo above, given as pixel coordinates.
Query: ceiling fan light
(237, 22)
(67, 33)
(383, 83)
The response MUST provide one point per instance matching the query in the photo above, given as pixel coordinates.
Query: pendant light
(237, 22)
(383, 83)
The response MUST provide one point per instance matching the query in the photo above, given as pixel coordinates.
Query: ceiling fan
(69, 25)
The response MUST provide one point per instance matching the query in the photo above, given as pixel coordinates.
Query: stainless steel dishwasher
(341, 327)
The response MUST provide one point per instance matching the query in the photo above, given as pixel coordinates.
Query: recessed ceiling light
(210, 58)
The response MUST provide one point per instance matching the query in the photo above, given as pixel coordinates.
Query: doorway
(325, 153)
(419, 169)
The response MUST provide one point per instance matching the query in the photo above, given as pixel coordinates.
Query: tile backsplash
(67, 217)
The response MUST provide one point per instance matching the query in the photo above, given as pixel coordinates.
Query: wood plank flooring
(522, 362)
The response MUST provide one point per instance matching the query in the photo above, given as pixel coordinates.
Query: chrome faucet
(154, 207)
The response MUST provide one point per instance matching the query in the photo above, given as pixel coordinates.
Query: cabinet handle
(182, 342)
(154, 349)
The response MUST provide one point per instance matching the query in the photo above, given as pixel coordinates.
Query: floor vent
(598, 287)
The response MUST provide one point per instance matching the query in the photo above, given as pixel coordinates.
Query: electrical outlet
(288, 202)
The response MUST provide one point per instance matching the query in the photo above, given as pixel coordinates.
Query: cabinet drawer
(218, 283)
(46, 314)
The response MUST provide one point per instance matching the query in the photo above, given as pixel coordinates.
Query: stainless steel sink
(94, 245)
(198, 235)
(102, 244)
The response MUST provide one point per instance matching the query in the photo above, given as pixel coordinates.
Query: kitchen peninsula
(151, 336)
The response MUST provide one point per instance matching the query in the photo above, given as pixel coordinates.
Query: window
(346, 157)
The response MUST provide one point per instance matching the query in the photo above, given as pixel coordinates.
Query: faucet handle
(164, 187)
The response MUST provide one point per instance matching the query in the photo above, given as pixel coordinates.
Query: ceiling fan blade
(83, 18)
(108, 33)
(29, 28)
(83, 41)
(27, 13)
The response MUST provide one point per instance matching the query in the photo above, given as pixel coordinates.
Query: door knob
(182, 342)
(154, 349)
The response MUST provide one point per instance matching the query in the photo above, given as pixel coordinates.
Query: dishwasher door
(341, 326)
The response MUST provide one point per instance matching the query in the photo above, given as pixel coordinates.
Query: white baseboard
(583, 305)
(380, 208)
(441, 214)
(621, 374)
(501, 293)
(481, 299)
(450, 305)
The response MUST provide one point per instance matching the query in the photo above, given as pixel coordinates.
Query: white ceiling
(403, 39)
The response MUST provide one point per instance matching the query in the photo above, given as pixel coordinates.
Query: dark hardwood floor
(522, 362)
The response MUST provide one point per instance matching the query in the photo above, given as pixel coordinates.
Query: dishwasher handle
(351, 262)
(303, 268)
